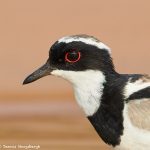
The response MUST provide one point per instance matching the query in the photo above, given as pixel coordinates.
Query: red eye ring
(72, 61)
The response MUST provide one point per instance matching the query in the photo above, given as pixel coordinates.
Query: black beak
(39, 73)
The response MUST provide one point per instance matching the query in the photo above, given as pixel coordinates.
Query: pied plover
(117, 105)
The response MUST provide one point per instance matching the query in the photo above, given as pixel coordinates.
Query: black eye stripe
(72, 56)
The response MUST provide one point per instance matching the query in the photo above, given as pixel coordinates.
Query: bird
(117, 105)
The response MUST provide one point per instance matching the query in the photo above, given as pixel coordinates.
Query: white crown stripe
(89, 41)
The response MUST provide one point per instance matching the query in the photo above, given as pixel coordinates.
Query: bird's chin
(78, 77)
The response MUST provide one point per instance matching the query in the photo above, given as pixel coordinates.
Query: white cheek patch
(88, 87)
(88, 40)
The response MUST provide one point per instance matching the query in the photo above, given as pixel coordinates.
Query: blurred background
(45, 113)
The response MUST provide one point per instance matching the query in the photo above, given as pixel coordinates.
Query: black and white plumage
(117, 105)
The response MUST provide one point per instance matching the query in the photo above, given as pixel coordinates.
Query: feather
(139, 113)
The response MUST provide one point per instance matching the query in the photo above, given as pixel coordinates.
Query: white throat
(88, 87)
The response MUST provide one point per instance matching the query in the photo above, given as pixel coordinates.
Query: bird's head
(74, 55)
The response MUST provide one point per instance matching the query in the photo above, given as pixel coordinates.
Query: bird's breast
(133, 138)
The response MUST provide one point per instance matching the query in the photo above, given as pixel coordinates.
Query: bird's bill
(39, 73)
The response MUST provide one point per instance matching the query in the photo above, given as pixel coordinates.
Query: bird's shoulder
(137, 98)
(137, 87)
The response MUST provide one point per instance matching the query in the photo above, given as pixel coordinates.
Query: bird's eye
(72, 56)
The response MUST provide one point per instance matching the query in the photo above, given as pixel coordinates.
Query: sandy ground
(51, 125)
